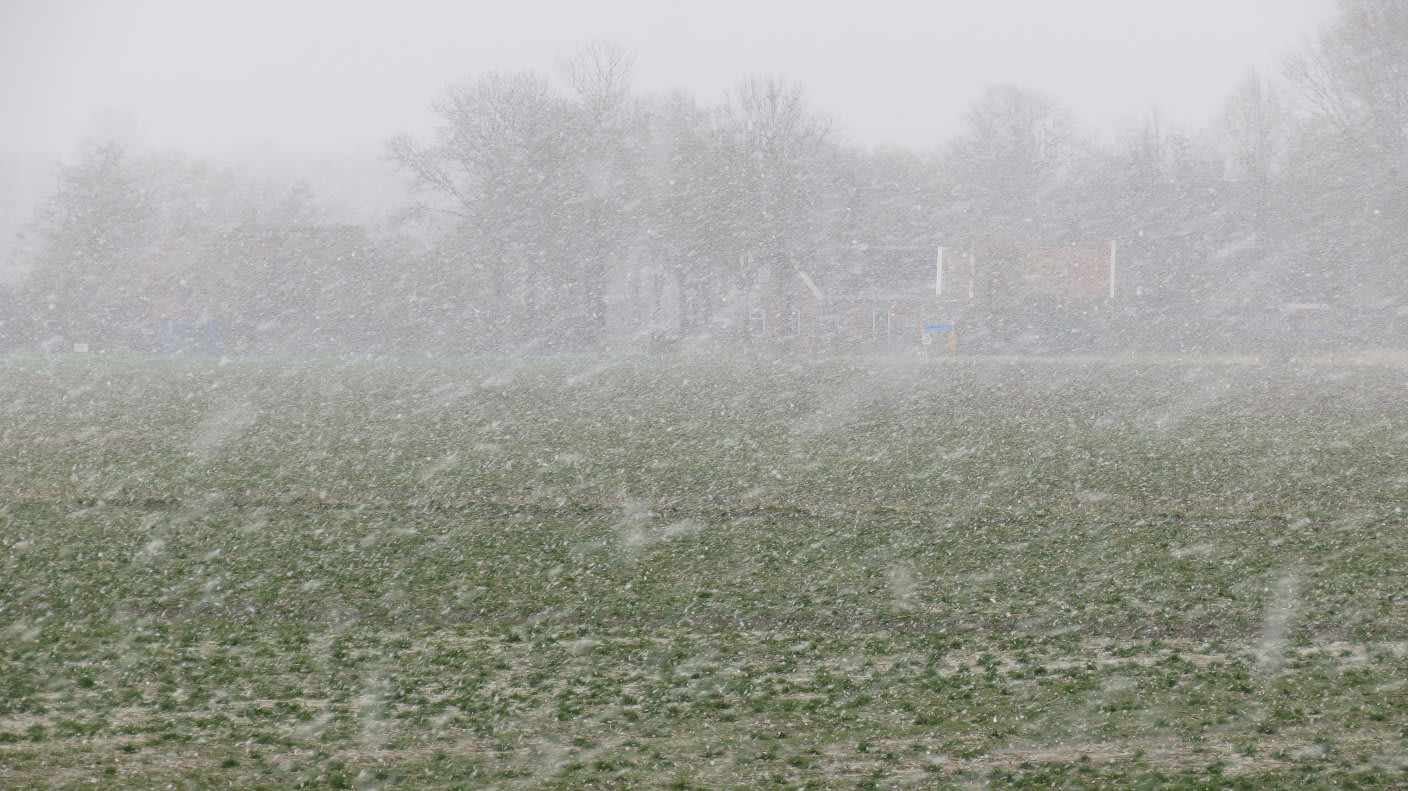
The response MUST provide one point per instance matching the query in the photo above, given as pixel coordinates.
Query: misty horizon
(574, 193)
(215, 81)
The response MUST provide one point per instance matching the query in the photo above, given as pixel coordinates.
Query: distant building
(263, 288)
(880, 297)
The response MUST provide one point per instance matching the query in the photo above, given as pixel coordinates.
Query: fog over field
(975, 395)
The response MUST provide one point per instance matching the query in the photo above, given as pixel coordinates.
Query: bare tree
(1350, 181)
(1026, 132)
(769, 118)
(1354, 76)
(97, 231)
(501, 163)
(1255, 129)
(491, 126)
(599, 73)
(771, 144)
(1017, 147)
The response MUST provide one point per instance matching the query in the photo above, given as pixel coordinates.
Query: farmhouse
(880, 297)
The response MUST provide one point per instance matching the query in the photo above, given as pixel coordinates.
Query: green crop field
(646, 573)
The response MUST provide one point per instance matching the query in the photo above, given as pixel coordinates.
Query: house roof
(899, 271)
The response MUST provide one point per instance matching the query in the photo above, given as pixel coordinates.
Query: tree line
(566, 211)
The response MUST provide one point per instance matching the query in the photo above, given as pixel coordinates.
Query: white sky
(340, 76)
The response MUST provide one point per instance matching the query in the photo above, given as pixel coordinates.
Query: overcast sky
(340, 76)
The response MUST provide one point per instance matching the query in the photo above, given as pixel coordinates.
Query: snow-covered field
(660, 573)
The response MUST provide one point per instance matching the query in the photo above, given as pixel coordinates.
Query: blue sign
(938, 326)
